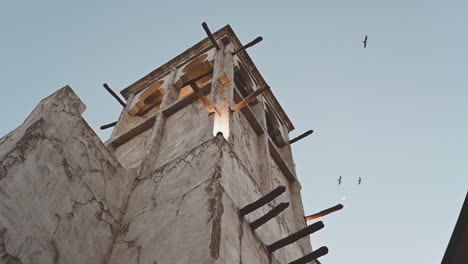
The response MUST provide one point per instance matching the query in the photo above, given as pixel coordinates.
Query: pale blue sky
(393, 113)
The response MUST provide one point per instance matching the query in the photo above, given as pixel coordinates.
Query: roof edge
(204, 44)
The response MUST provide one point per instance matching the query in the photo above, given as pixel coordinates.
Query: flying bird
(359, 180)
(339, 180)
(365, 42)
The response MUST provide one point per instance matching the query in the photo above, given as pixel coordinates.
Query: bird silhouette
(365, 42)
(339, 180)
(359, 180)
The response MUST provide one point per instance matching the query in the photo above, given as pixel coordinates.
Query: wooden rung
(324, 212)
(249, 98)
(108, 125)
(322, 251)
(210, 36)
(114, 95)
(194, 80)
(295, 236)
(248, 45)
(262, 201)
(203, 98)
(301, 136)
(268, 216)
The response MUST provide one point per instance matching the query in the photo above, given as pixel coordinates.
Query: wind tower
(207, 137)
(198, 169)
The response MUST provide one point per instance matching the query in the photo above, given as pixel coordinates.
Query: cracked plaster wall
(174, 214)
(241, 189)
(61, 191)
(184, 130)
(66, 199)
(130, 154)
(245, 143)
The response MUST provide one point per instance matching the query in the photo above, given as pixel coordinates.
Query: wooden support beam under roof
(249, 98)
(203, 98)
(248, 45)
(210, 36)
(121, 102)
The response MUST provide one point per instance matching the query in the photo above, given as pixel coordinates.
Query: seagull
(365, 42)
(339, 180)
(359, 180)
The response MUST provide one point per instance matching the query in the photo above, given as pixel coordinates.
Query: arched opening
(243, 81)
(148, 101)
(192, 70)
(274, 128)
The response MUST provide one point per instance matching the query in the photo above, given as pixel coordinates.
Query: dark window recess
(274, 128)
(240, 84)
(270, 129)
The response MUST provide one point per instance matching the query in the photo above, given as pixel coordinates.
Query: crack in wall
(5, 257)
(215, 204)
(30, 139)
(241, 235)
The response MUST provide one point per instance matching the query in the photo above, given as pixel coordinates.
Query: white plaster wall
(245, 143)
(174, 214)
(61, 191)
(242, 189)
(184, 130)
(130, 154)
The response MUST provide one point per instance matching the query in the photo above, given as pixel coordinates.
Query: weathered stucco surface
(163, 190)
(61, 191)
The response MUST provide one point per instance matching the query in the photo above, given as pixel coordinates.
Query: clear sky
(394, 113)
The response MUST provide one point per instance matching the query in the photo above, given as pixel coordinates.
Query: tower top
(225, 35)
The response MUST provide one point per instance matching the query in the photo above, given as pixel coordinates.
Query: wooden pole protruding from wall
(203, 98)
(268, 216)
(196, 79)
(248, 45)
(314, 255)
(210, 36)
(108, 125)
(249, 98)
(114, 95)
(262, 201)
(324, 212)
(303, 135)
(295, 236)
(196, 89)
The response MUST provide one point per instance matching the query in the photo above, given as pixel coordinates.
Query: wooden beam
(189, 82)
(324, 212)
(203, 98)
(249, 98)
(108, 125)
(183, 102)
(248, 45)
(295, 236)
(268, 216)
(303, 135)
(114, 95)
(133, 132)
(314, 255)
(249, 115)
(262, 201)
(210, 36)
